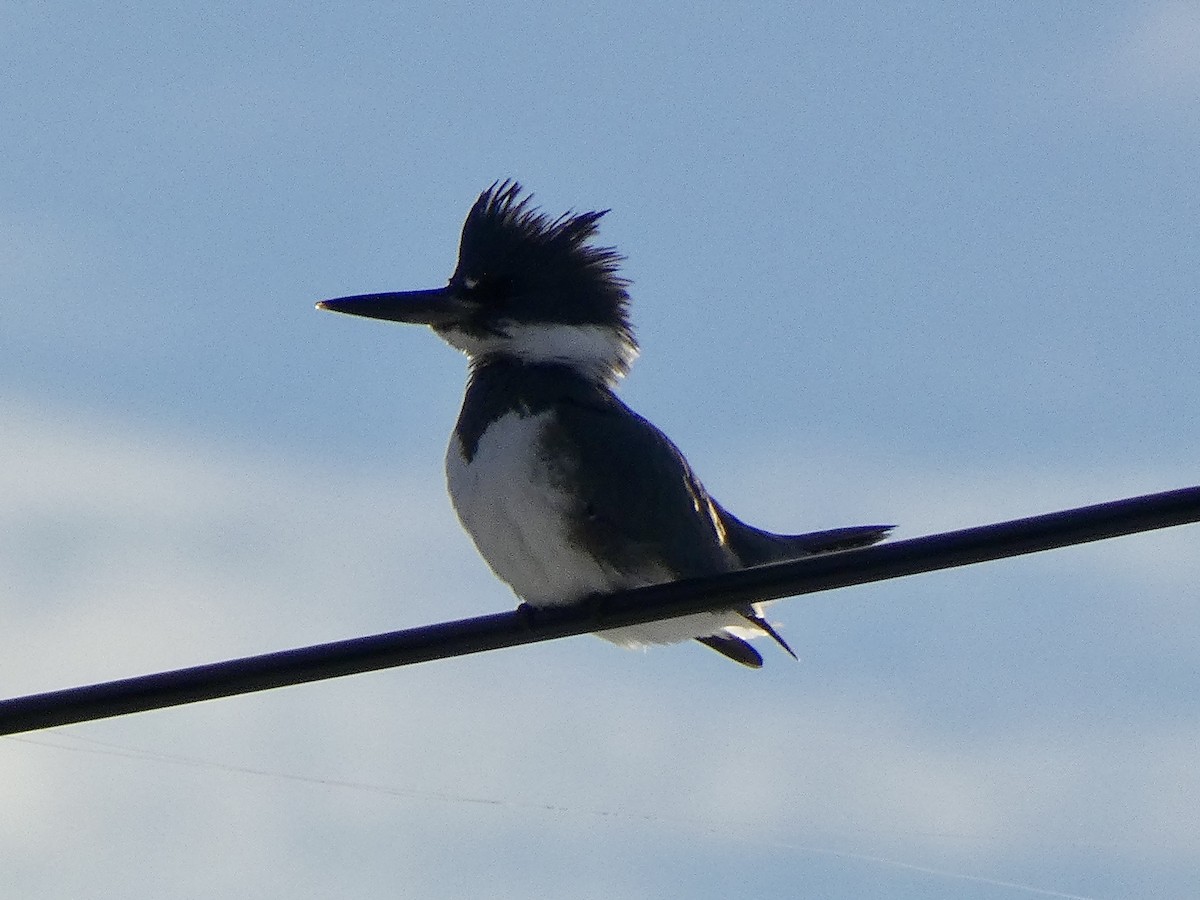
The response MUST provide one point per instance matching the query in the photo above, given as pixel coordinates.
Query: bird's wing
(643, 506)
(640, 502)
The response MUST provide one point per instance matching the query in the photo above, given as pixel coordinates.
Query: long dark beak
(443, 306)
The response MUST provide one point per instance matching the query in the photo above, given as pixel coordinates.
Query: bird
(567, 492)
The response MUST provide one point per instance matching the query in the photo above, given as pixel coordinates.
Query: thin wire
(104, 748)
(928, 870)
(617, 610)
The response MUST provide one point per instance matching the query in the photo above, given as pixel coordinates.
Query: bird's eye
(486, 289)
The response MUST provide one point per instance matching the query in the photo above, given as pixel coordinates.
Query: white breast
(510, 498)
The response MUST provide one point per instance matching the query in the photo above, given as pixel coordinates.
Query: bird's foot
(595, 606)
(527, 615)
(592, 605)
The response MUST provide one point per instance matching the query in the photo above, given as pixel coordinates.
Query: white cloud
(1148, 60)
(144, 547)
(1161, 52)
(1142, 62)
(150, 551)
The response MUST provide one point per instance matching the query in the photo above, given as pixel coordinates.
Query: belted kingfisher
(565, 490)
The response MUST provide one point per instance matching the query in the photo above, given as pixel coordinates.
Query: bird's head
(527, 288)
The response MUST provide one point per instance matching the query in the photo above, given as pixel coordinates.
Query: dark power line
(633, 607)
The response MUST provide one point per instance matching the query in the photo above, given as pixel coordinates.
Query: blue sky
(890, 262)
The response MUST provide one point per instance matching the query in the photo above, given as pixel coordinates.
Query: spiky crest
(539, 269)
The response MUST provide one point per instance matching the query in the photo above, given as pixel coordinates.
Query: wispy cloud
(127, 550)
(1160, 53)
(1148, 59)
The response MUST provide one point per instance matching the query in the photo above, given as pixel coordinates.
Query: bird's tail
(755, 547)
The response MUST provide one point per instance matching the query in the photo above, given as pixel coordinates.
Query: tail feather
(836, 539)
(752, 615)
(734, 648)
(755, 547)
